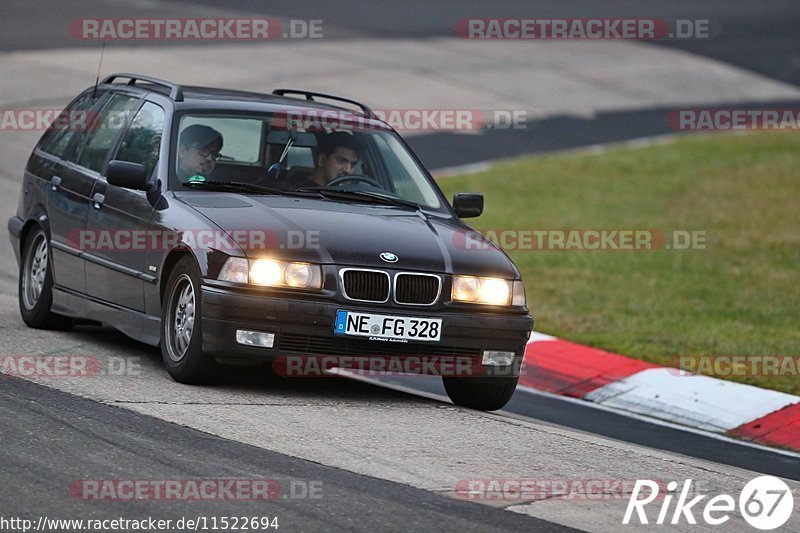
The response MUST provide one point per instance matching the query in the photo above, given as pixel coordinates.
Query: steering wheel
(355, 178)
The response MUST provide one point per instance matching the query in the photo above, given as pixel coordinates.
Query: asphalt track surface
(587, 417)
(50, 438)
(757, 36)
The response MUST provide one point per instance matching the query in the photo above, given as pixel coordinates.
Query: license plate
(388, 326)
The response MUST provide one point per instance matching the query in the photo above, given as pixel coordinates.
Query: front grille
(366, 285)
(416, 289)
(344, 346)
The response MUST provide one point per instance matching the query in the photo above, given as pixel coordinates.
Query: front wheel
(484, 394)
(35, 291)
(181, 328)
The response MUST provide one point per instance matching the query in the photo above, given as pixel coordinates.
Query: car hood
(332, 232)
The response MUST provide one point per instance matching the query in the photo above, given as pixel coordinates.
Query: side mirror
(127, 175)
(468, 204)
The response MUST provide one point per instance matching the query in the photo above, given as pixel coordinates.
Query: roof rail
(175, 90)
(310, 96)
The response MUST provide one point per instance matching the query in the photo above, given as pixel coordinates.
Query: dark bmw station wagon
(231, 227)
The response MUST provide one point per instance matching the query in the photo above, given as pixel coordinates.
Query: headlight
(298, 274)
(490, 291)
(518, 297)
(266, 272)
(272, 273)
(235, 269)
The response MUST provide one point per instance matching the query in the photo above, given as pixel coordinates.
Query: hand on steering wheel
(354, 178)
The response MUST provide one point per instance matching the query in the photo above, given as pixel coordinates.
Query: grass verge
(737, 296)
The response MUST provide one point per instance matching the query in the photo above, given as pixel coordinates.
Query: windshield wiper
(337, 194)
(369, 196)
(240, 186)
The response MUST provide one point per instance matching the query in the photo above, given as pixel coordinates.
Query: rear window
(60, 139)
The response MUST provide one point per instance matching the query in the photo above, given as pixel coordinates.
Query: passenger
(198, 151)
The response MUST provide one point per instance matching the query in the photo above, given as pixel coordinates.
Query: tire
(181, 328)
(35, 288)
(484, 394)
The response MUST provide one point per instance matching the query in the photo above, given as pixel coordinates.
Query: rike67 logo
(766, 503)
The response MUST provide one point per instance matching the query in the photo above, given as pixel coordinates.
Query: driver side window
(142, 141)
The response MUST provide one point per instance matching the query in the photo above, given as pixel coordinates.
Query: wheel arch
(38, 219)
(169, 265)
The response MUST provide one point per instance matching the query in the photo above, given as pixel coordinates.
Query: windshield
(269, 151)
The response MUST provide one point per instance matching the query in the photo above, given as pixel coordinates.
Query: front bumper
(304, 328)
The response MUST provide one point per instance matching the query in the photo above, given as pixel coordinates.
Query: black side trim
(67, 249)
(103, 262)
(93, 299)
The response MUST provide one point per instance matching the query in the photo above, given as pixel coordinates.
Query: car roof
(199, 98)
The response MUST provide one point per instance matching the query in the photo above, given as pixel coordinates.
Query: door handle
(55, 183)
(97, 200)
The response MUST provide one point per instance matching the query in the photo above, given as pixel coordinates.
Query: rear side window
(71, 123)
(142, 141)
(100, 137)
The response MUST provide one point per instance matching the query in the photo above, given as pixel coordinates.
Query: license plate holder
(388, 327)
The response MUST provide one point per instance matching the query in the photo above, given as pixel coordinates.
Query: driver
(337, 155)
